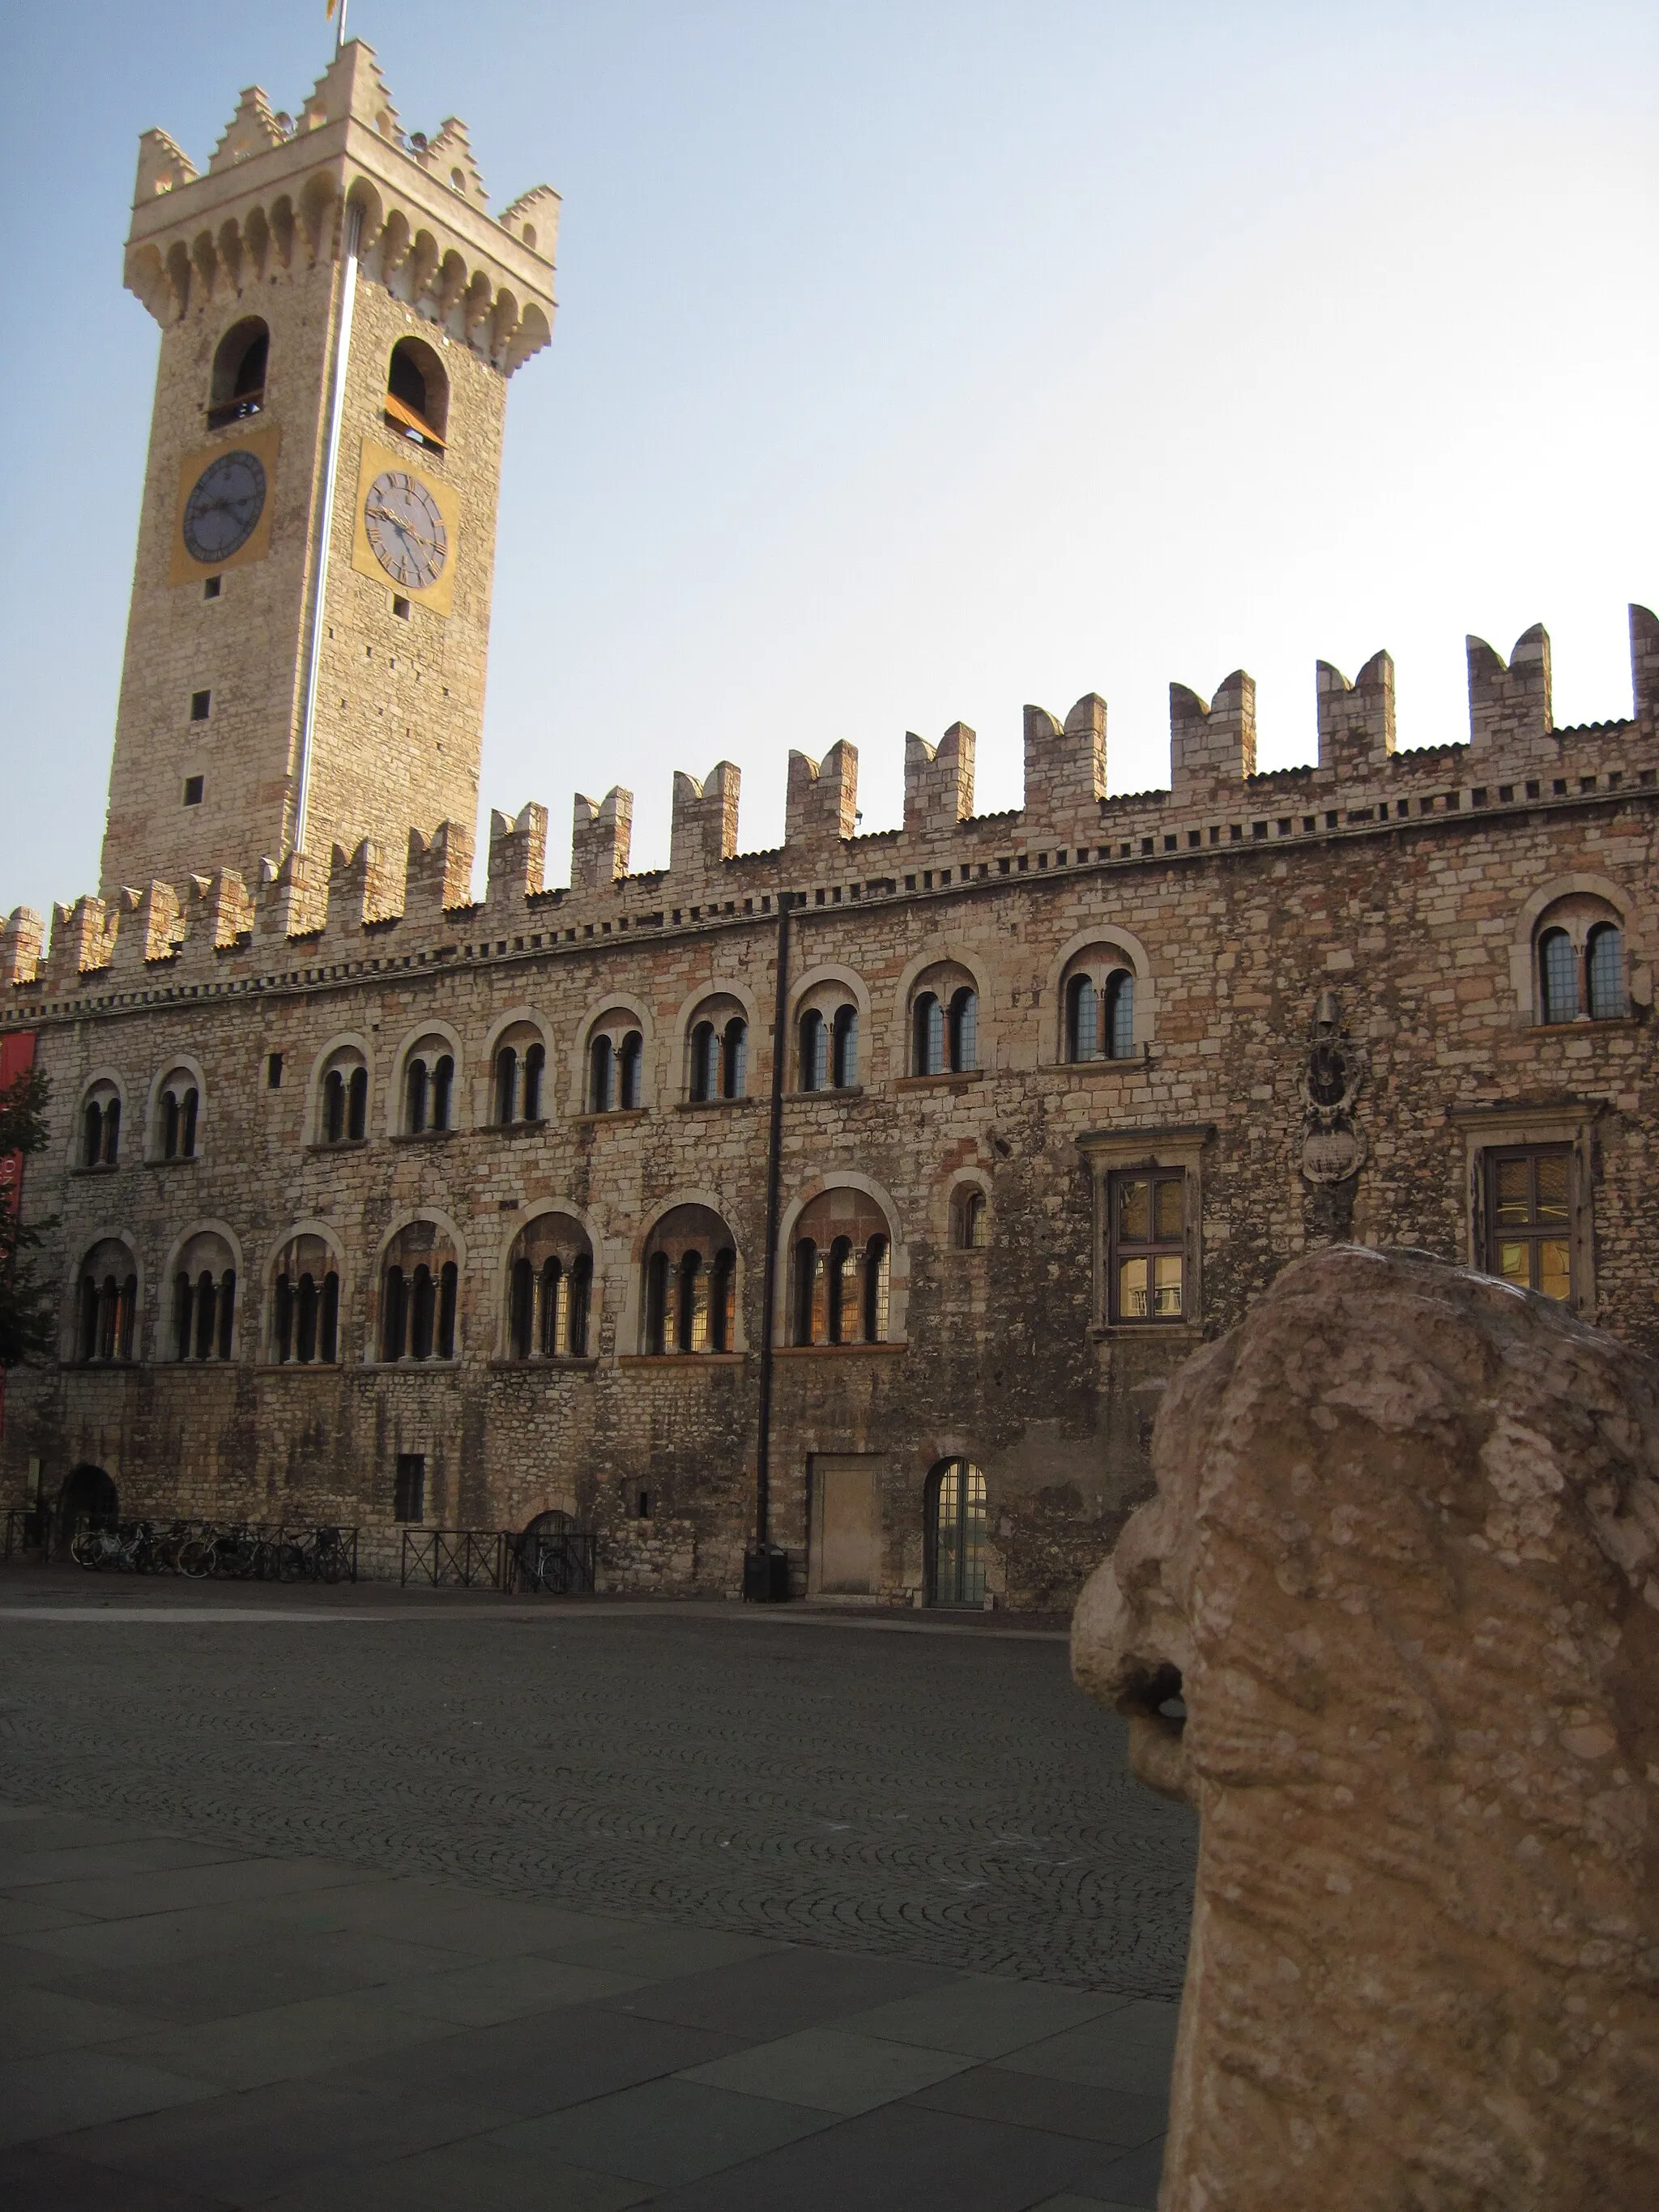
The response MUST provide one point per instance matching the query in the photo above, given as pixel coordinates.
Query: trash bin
(766, 1575)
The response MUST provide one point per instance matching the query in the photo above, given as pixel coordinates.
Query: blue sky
(913, 361)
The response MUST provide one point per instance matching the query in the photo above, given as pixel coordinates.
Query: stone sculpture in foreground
(1402, 1569)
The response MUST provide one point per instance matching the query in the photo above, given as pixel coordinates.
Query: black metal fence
(562, 1562)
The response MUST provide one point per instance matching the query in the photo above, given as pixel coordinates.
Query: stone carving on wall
(1333, 1149)
(1391, 1624)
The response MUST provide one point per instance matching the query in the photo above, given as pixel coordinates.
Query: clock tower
(305, 651)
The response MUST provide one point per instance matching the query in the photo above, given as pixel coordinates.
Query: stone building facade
(864, 1193)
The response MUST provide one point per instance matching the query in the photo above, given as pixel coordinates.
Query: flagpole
(339, 29)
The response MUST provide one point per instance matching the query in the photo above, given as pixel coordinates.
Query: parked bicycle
(238, 1552)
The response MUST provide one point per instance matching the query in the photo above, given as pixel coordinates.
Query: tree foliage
(27, 1329)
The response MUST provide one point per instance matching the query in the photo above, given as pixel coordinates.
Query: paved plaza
(329, 1898)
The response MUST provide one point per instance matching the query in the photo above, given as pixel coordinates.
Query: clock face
(223, 510)
(405, 529)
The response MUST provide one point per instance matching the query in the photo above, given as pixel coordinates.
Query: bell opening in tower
(238, 389)
(417, 394)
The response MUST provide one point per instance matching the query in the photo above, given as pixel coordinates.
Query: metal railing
(27, 1528)
(562, 1562)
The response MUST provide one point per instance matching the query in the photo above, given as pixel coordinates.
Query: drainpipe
(774, 1207)
(325, 524)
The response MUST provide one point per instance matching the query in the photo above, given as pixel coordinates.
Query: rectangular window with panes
(1147, 1261)
(1529, 1217)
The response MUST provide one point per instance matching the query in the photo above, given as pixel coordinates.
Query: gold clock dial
(405, 531)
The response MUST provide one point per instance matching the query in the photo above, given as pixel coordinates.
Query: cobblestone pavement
(944, 1799)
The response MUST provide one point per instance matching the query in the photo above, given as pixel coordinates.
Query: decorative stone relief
(1333, 1142)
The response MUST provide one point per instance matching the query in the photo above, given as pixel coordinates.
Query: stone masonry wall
(1398, 882)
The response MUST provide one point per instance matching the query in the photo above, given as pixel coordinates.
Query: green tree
(27, 1328)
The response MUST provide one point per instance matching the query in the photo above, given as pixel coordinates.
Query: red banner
(16, 1054)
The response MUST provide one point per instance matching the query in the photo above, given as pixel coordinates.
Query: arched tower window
(417, 394)
(238, 388)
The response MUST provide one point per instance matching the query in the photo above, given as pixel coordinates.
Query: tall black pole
(773, 1207)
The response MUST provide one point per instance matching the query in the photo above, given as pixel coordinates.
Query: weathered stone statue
(1391, 1624)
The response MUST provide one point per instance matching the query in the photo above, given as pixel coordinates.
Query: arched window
(1558, 971)
(616, 1064)
(734, 1058)
(705, 1062)
(841, 1266)
(689, 1284)
(240, 367)
(100, 1127)
(964, 1030)
(1100, 1007)
(944, 1022)
(417, 394)
(814, 1051)
(516, 1086)
(1578, 949)
(970, 1219)
(1082, 1019)
(1604, 971)
(106, 1304)
(419, 1288)
(717, 1051)
(428, 1087)
(204, 1298)
(549, 1289)
(177, 1108)
(844, 1058)
(305, 1325)
(927, 1022)
(342, 1112)
(601, 1076)
(956, 1516)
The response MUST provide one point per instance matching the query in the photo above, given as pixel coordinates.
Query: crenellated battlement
(275, 192)
(360, 906)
